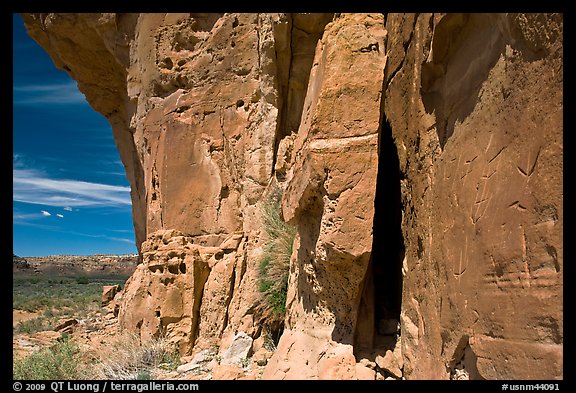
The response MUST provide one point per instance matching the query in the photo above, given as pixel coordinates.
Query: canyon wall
(419, 157)
(480, 147)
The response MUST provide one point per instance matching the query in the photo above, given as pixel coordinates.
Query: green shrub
(57, 362)
(274, 264)
(264, 285)
(143, 375)
(83, 280)
(33, 325)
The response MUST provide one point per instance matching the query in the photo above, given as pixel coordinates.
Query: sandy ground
(21, 315)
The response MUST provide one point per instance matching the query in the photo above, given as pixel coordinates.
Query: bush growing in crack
(274, 264)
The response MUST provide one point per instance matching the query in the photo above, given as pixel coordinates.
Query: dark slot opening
(388, 241)
(377, 327)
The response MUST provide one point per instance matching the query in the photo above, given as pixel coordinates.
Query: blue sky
(70, 192)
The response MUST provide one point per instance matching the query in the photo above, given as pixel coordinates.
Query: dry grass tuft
(128, 358)
(275, 262)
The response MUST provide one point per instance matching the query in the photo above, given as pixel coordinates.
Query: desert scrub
(57, 362)
(274, 265)
(59, 293)
(129, 358)
(34, 325)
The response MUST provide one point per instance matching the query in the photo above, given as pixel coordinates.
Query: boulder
(365, 373)
(238, 351)
(66, 326)
(389, 364)
(227, 372)
(108, 293)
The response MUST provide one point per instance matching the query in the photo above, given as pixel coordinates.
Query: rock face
(420, 158)
(330, 196)
(164, 293)
(480, 147)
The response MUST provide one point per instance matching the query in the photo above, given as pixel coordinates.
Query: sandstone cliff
(419, 157)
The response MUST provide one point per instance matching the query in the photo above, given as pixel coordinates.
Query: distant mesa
(19, 262)
(75, 265)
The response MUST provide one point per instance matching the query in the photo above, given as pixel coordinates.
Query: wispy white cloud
(122, 231)
(56, 93)
(60, 215)
(76, 233)
(68, 208)
(111, 173)
(45, 213)
(121, 239)
(20, 217)
(33, 186)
